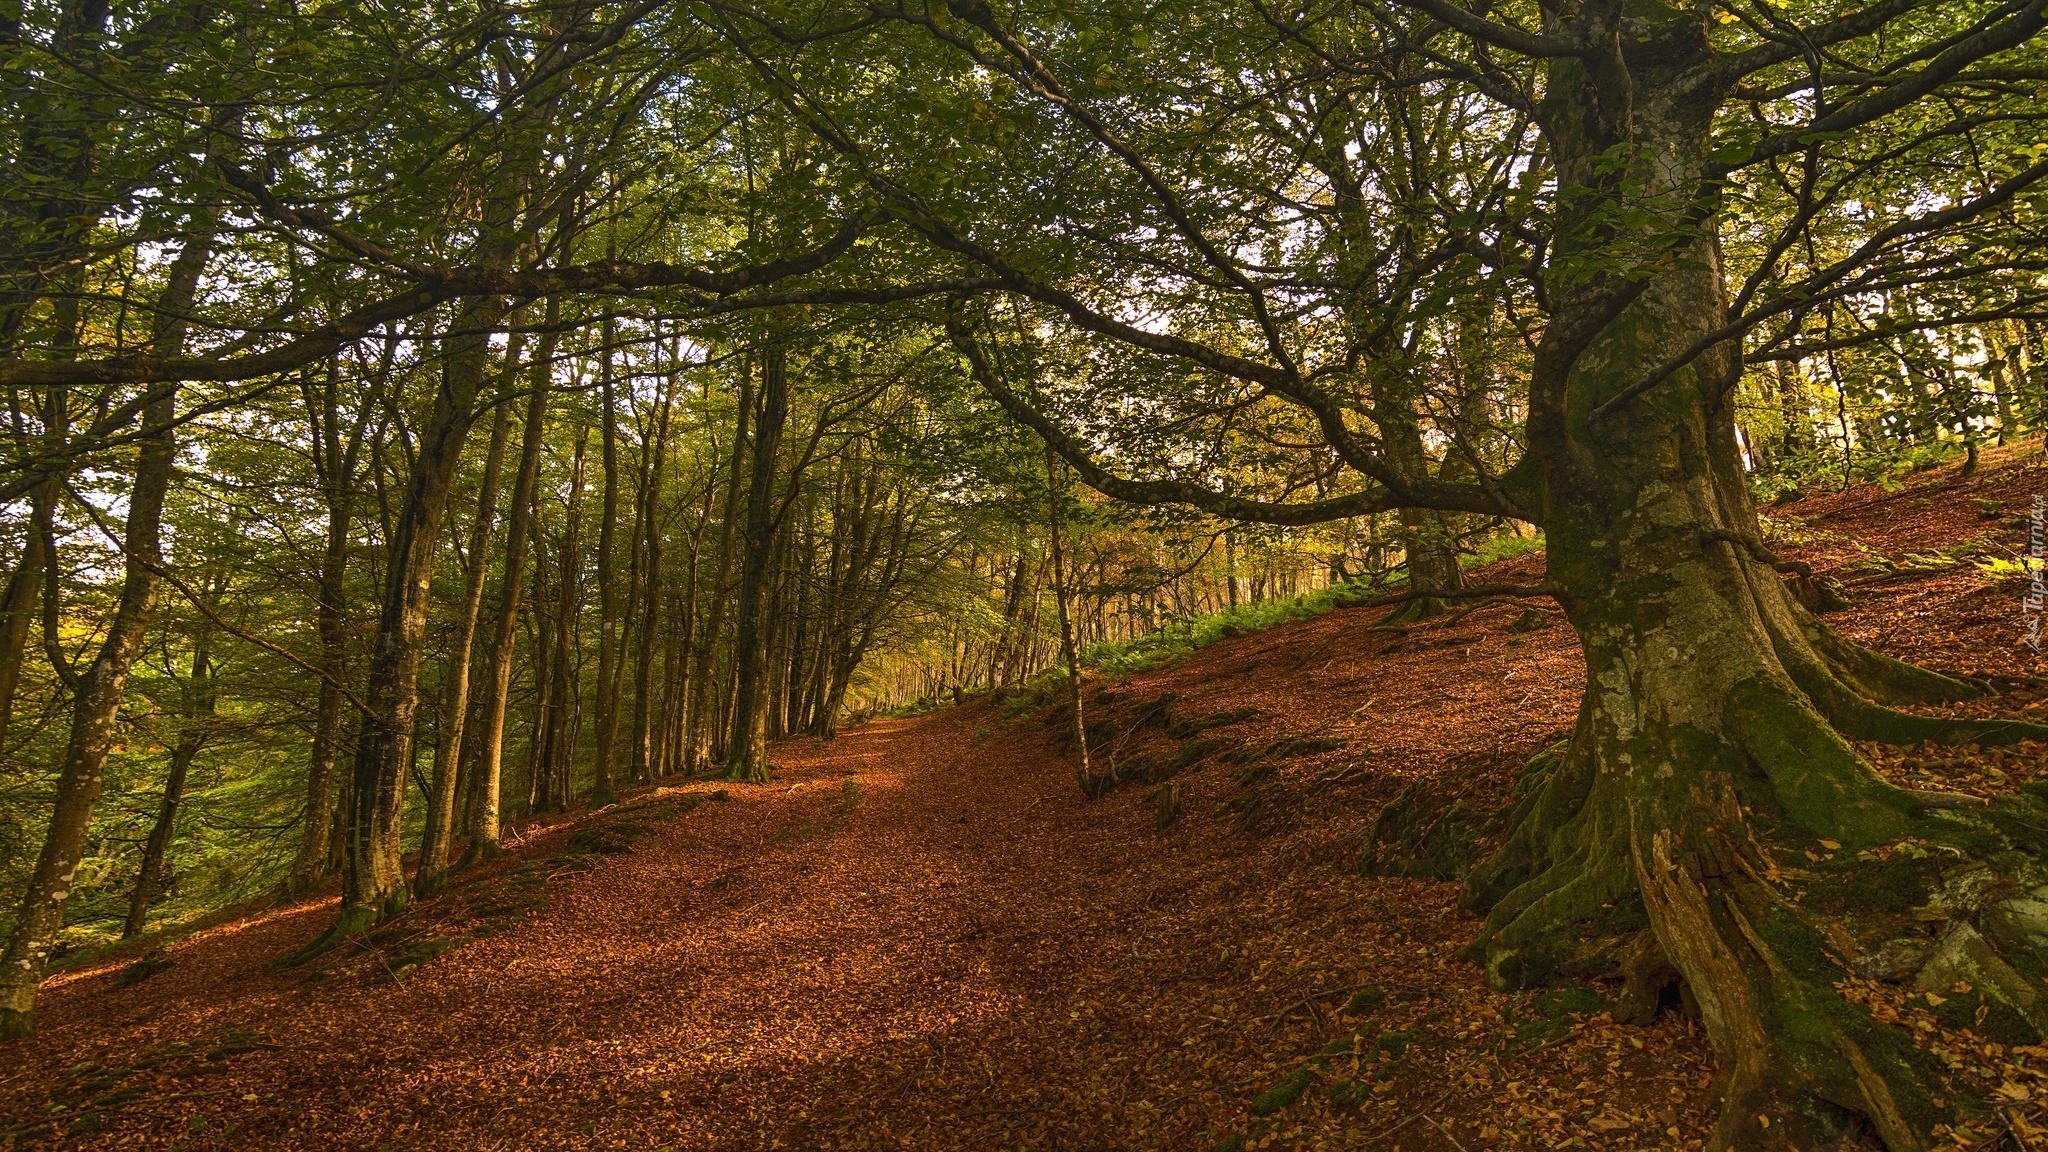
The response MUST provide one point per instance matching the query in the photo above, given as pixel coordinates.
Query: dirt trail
(921, 936)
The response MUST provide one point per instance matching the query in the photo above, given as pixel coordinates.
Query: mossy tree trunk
(373, 874)
(439, 830)
(747, 756)
(96, 696)
(1712, 748)
(335, 458)
(486, 778)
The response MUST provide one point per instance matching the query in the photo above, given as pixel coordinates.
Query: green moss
(1572, 1000)
(1286, 1092)
(1818, 781)
(1893, 885)
(1341, 1046)
(1348, 1094)
(150, 963)
(1986, 1016)
(1414, 835)
(1364, 1000)
(609, 839)
(410, 955)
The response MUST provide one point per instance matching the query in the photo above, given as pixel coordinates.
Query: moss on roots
(354, 921)
(1672, 858)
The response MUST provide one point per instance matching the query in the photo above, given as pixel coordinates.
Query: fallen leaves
(919, 938)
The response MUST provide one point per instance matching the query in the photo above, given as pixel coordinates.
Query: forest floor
(922, 936)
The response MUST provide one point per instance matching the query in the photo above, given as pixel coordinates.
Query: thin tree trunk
(485, 782)
(541, 623)
(18, 609)
(1090, 786)
(700, 726)
(335, 459)
(432, 868)
(601, 791)
(192, 734)
(555, 759)
(97, 701)
(650, 600)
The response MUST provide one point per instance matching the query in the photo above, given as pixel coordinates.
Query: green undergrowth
(1548, 1015)
(1822, 470)
(1176, 640)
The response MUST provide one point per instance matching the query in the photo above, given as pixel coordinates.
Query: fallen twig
(1432, 1106)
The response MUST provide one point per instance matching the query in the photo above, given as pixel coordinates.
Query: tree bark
(373, 877)
(432, 868)
(559, 729)
(335, 458)
(31, 581)
(601, 791)
(486, 782)
(1092, 786)
(650, 598)
(747, 755)
(1712, 745)
(97, 699)
(192, 734)
(700, 726)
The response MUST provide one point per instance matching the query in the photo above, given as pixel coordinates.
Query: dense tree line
(419, 418)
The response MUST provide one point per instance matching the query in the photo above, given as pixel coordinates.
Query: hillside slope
(921, 936)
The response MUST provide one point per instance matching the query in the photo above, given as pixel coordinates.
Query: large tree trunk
(747, 755)
(432, 868)
(1667, 842)
(1426, 538)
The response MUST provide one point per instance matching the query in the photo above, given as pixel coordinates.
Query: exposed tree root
(1743, 865)
(351, 924)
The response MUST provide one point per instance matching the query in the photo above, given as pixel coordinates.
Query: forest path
(921, 936)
